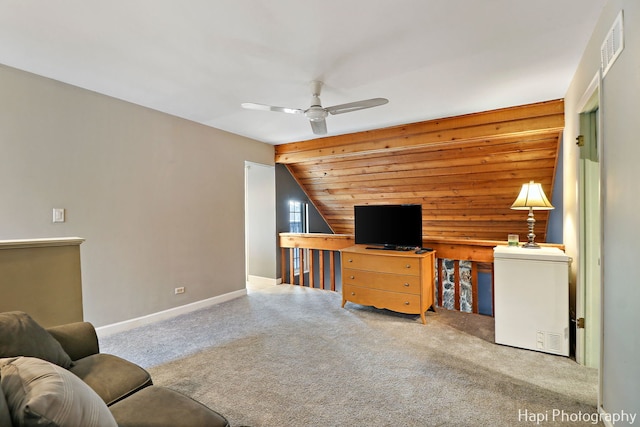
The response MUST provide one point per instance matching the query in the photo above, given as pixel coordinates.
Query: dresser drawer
(381, 263)
(396, 301)
(385, 281)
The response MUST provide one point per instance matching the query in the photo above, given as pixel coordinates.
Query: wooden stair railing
(315, 243)
(479, 253)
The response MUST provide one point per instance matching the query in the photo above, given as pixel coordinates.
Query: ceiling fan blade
(263, 107)
(319, 127)
(355, 106)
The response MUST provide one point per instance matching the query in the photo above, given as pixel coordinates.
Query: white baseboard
(104, 331)
(603, 417)
(259, 280)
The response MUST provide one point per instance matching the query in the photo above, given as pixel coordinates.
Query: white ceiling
(200, 59)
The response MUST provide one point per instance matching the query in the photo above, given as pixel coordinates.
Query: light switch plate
(58, 215)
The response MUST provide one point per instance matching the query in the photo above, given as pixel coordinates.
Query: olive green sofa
(58, 377)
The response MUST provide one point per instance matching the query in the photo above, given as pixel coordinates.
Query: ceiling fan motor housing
(316, 113)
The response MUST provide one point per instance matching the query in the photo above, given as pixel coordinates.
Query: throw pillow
(20, 335)
(40, 393)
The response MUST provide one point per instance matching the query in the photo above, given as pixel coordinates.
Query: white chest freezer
(531, 298)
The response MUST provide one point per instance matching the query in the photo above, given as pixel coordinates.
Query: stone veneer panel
(446, 279)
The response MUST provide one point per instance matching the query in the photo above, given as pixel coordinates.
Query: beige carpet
(290, 356)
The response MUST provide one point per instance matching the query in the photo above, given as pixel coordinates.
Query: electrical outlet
(540, 340)
(179, 290)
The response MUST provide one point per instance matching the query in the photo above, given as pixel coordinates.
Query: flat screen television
(388, 226)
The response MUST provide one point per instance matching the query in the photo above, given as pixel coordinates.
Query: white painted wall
(261, 222)
(620, 372)
(159, 200)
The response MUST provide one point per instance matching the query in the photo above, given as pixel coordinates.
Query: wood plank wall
(466, 171)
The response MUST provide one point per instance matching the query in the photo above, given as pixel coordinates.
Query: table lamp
(531, 198)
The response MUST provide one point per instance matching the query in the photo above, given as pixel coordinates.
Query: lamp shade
(532, 197)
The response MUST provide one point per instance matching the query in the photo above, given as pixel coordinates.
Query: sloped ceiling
(465, 171)
(201, 59)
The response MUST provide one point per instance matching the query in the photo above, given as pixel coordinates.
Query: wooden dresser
(401, 281)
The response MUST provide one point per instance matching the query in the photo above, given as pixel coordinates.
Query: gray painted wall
(159, 200)
(620, 373)
(288, 189)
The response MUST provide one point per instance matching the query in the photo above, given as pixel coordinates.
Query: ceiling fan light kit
(316, 114)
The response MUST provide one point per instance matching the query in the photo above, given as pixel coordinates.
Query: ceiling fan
(316, 113)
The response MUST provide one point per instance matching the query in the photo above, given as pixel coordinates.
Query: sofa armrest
(78, 339)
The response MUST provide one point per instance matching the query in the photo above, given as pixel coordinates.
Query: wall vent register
(612, 45)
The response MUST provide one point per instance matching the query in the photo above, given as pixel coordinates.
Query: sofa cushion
(161, 407)
(40, 393)
(5, 417)
(78, 339)
(20, 335)
(112, 377)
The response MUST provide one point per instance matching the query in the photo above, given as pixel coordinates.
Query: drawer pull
(406, 303)
(353, 293)
(350, 260)
(406, 285)
(352, 277)
(408, 266)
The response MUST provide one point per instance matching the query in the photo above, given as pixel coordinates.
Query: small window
(297, 217)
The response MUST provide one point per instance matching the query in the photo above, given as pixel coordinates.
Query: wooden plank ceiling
(466, 171)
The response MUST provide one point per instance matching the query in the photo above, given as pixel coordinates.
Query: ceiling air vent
(612, 46)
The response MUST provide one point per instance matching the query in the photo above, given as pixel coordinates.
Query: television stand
(401, 281)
